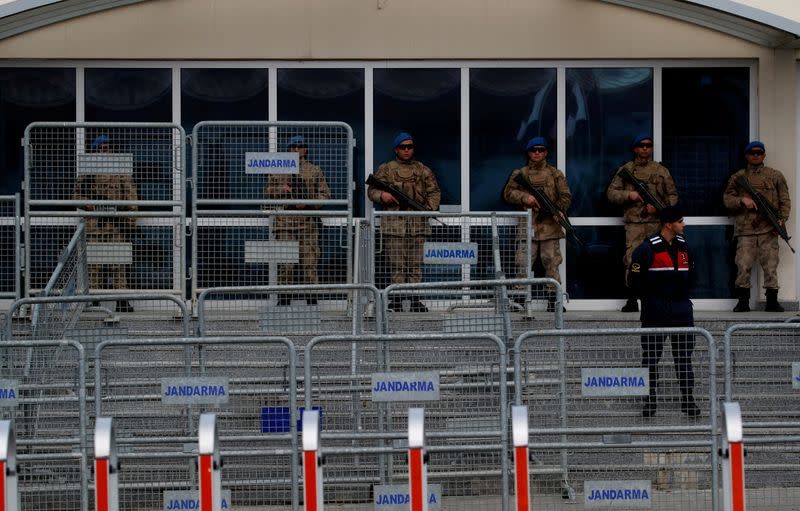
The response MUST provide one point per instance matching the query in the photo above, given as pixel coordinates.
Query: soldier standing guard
(756, 238)
(546, 231)
(107, 229)
(308, 184)
(641, 218)
(405, 236)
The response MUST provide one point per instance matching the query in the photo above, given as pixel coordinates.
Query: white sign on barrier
(395, 497)
(422, 386)
(192, 391)
(92, 164)
(109, 253)
(450, 253)
(271, 251)
(617, 494)
(181, 499)
(271, 163)
(796, 375)
(614, 381)
(9, 392)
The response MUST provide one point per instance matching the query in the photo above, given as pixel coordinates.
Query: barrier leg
(417, 460)
(9, 497)
(106, 466)
(209, 464)
(312, 462)
(522, 484)
(732, 453)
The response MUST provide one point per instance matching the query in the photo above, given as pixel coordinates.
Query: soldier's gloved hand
(388, 198)
(749, 203)
(531, 202)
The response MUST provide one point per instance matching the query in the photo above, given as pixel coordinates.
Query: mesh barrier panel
(9, 246)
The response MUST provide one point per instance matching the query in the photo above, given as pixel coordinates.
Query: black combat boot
(743, 294)
(688, 406)
(630, 306)
(284, 300)
(772, 301)
(396, 304)
(417, 305)
(124, 306)
(649, 408)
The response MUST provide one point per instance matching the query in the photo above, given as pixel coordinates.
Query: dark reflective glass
(595, 271)
(128, 95)
(606, 108)
(327, 95)
(714, 255)
(427, 104)
(507, 108)
(706, 127)
(28, 95)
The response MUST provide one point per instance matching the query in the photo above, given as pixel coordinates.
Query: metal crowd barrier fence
(300, 312)
(43, 391)
(126, 180)
(155, 389)
(258, 190)
(452, 246)
(762, 374)
(10, 244)
(363, 386)
(584, 390)
(471, 306)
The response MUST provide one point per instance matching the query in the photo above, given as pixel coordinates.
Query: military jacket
(418, 182)
(552, 181)
(772, 185)
(658, 181)
(106, 187)
(308, 184)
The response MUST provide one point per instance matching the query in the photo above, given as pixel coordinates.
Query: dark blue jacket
(661, 276)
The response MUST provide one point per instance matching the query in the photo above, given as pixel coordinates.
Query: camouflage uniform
(108, 229)
(639, 224)
(546, 231)
(755, 237)
(305, 230)
(404, 237)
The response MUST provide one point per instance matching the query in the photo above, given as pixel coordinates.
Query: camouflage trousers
(308, 246)
(761, 247)
(635, 234)
(548, 251)
(405, 258)
(99, 274)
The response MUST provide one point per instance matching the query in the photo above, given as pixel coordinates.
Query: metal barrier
(314, 497)
(258, 190)
(9, 496)
(106, 466)
(309, 310)
(107, 174)
(209, 463)
(155, 389)
(732, 454)
(417, 460)
(362, 386)
(43, 390)
(471, 306)
(520, 439)
(584, 390)
(10, 245)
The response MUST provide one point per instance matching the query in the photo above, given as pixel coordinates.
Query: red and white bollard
(417, 460)
(9, 497)
(312, 461)
(106, 466)
(522, 482)
(732, 458)
(209, 464)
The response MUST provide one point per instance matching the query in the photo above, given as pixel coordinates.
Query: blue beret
(101, 140)
(402, 137)
(536, 141)
(296, 141)
(754, 144)
(670, 214)
(641, 136)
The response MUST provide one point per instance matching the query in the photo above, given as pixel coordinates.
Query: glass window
(606, 108)
(328, 95)
(507, 108)
(706, 127)
(129, 95)
(595, 271)
(714, 256)
(28, 95)
(427, 104)
(223, 95)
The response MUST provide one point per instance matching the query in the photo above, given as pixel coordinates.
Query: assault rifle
(640, 187)
(404, 200)
(764, 209)
(548, 208)
(299, 189)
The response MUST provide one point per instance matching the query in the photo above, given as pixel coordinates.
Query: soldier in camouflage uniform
(308, 184)
(546, 231)
(641, 220)
(404, 237)
(107, 229)
(755, 237)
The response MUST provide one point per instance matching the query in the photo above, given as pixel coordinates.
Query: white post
(312, 461)
(732, 458)
(106, 466)
(209, 464)
(522, 484)
(9, 497)
(417, 460)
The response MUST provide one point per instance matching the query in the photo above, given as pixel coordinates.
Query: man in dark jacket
(660, 273)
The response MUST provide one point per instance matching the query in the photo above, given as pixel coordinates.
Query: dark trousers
(682, 349)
